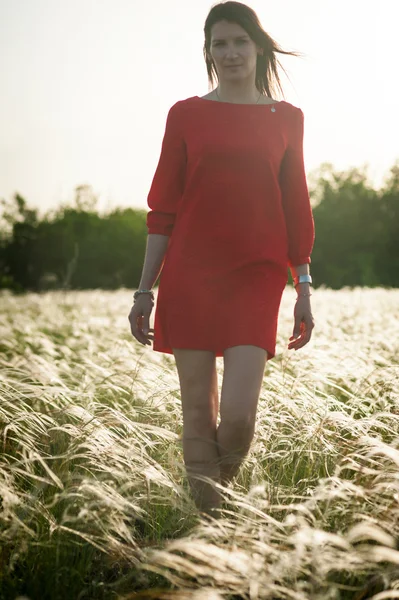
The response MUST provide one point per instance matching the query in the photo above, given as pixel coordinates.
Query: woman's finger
(303, 339)
(144, 337)
(297, 337)
(136, 328)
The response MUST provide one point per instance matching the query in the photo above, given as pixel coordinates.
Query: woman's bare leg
(244, 368)
(200, 404)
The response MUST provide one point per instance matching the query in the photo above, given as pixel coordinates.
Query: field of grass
(94, 501)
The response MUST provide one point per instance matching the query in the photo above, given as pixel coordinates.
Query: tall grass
(94, 501)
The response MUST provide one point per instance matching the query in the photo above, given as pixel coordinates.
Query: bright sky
(86, 86)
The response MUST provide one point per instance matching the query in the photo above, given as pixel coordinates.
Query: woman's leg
(244, 368)
(200, 404)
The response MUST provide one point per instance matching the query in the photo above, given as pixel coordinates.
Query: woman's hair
(266, 79)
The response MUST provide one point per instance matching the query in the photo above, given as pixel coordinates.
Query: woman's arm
(154, 258)
(164, 197)
(301, 288)
(296, 200)
(168, 182)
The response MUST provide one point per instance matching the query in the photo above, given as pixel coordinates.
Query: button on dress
(230, 192)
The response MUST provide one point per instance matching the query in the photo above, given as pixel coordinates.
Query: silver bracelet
(138, 292)
(302, 279)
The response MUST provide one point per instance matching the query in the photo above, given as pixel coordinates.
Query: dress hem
(218, 352)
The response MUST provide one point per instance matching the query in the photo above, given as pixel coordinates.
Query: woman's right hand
(139, 319)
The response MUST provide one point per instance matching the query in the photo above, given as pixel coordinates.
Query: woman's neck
(240, 95)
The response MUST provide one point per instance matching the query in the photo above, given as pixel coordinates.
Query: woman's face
(231, 45)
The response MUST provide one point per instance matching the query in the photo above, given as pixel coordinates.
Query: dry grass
(92, 474)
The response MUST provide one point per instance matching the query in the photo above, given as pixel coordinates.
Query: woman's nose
(231, 53)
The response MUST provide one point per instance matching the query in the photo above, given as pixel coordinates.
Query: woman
(230, 211)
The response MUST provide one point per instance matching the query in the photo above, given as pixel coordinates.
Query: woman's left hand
(303, 325)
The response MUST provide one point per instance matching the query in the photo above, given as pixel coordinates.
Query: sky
(86, 86)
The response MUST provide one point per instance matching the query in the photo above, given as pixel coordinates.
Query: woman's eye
(239, 41)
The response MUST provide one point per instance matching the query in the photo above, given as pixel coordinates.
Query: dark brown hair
(267, 79)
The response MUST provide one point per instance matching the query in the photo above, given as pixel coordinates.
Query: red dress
(230, 190)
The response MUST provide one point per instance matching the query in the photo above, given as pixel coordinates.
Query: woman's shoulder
(184, 110)
(208, 100)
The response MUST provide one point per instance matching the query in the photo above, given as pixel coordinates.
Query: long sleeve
(168, 181)
(295, 196)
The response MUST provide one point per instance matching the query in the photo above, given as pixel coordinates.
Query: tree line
(76, 247)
